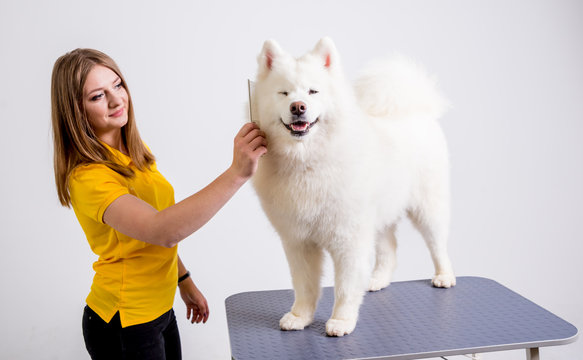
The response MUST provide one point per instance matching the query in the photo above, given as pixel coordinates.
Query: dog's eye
(284, 93)
(312, 92)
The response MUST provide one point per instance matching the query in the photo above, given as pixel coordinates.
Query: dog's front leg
(351, 272)
(305, 263)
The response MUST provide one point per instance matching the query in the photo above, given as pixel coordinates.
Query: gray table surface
(407, 320)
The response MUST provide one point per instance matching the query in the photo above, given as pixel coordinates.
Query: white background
(512, 70)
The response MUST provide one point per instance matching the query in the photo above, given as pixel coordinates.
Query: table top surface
(407, 320)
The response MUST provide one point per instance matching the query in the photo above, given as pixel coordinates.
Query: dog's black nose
(298, 108)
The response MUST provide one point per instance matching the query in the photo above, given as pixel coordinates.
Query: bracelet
(184, 277)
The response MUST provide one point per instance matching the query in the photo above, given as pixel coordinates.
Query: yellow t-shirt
(133, 277)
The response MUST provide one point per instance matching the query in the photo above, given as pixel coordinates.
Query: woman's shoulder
(89, 167)
(93, 171)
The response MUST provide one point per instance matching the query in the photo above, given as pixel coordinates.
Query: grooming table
(407, 320)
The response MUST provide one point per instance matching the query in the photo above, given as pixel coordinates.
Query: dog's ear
(326, 50)
(269, 54)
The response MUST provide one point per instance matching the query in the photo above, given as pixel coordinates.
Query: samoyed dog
(344, 164)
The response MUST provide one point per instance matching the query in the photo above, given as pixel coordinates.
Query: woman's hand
(197, 308)
(250, 145)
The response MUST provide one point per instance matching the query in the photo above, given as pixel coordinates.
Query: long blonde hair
(75, 142)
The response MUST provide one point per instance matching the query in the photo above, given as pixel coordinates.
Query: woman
(127, 211)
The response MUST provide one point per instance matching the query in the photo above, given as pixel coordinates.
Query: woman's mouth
(118, 113)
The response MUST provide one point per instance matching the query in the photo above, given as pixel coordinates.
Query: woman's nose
(115, 100)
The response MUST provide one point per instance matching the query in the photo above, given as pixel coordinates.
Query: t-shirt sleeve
(94, 187)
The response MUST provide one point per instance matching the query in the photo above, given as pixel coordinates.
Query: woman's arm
(137, 219)
(197, 308)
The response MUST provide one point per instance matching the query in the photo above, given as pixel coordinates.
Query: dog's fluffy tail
(398, 87)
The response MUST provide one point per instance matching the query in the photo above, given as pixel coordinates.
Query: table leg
(532, 354)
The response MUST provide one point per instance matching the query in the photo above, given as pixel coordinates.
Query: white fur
(377, 153)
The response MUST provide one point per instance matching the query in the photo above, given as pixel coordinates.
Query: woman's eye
(312, 92)
(96, 97)
(118, 85)
(284, 93)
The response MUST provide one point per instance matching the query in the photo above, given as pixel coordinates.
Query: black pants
(154, 340)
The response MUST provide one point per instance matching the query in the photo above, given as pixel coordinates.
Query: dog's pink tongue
(299, 126)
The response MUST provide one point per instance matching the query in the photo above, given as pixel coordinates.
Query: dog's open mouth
(299, 128)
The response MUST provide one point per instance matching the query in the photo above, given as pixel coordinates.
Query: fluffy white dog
(345, 163)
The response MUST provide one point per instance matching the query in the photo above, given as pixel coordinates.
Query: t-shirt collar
(120, 157)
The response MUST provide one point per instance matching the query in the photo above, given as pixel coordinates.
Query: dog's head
(296, 98)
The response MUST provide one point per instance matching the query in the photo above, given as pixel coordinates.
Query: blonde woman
(127, 211)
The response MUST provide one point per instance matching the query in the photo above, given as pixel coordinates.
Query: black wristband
(184, 277)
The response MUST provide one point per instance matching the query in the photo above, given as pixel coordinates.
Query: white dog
(344, 164)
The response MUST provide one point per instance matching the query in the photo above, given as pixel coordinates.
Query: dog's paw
(336, 327)
(443, 280)
(292, 322)
(377, 283)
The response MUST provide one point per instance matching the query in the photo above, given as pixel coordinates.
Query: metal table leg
(532, 354)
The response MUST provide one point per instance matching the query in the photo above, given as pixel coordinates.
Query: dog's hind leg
(305, 262)
(386, 259)
(432, 221)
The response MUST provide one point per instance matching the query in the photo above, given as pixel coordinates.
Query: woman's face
(106, 103)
